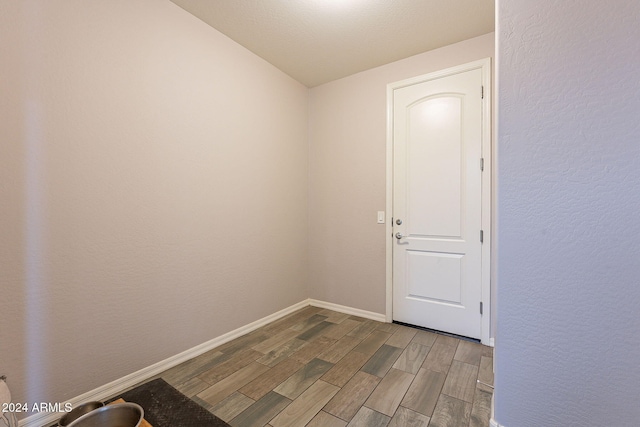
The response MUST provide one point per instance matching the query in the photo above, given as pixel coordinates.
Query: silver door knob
(399, 235)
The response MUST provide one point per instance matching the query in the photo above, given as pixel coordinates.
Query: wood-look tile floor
(321, 368)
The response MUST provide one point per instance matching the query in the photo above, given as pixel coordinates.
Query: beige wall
(153, 186)
(160, 186)
(347, 175)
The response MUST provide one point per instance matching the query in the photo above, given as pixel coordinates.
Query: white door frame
(485, 66)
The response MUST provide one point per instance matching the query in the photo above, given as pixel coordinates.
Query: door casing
(485, 66)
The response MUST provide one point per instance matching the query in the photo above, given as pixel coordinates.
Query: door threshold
(448, 334)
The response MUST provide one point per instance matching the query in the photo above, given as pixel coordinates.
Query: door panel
(444, 269)
(437, 194)
(434, 145)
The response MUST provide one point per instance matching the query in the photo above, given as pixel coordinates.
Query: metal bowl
(116, 415)
(79, 411)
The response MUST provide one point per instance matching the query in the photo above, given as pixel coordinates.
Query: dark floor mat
(164, 406)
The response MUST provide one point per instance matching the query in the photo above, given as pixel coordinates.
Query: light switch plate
(380, 217)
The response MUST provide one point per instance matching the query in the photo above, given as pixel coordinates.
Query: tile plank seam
(236, 364)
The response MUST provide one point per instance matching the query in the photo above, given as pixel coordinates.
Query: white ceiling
(317, 41)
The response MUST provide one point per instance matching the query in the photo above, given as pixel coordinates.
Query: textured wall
(568, 333)
(153, 181)
(347, 175)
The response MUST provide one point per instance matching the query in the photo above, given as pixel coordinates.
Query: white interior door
(437, 202)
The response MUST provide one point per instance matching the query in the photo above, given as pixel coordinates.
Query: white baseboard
(113, 388)
(348, 310)
(493, 423)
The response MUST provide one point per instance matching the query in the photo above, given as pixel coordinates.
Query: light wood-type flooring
(320, 368)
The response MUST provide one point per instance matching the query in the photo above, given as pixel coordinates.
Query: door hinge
(481, 236)
(481, 308)
(482, 163)
(482, 92)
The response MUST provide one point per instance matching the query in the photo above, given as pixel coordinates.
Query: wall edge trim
(349, 310)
